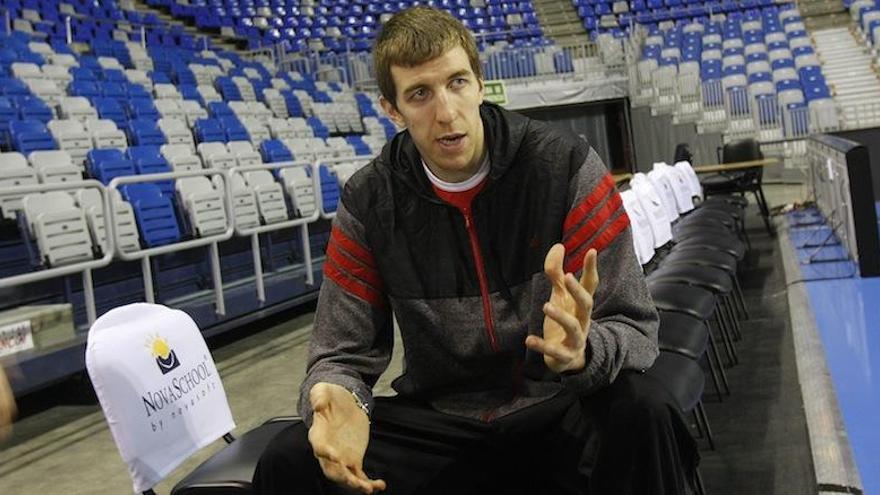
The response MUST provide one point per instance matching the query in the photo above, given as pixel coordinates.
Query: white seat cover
(158, 387)
(643, 238)
(680, 187)
(651, 203)
(667, 195)
(692, 178)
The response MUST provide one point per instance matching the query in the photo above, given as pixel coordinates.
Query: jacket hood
(503, 131)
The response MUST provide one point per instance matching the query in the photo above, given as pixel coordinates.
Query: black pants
(628, 438)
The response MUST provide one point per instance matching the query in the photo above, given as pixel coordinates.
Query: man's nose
(445, 110)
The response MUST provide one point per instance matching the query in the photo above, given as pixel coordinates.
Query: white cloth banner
(158, 387)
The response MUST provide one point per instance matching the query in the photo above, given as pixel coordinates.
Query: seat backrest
(142, 390)
(680, 186)
(691, 175)
(154, 213)
(661, 225)
(742, 150)
(664, 187)
(59, 227)
(643, 237)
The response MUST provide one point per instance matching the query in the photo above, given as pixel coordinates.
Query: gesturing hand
(339, 436)
(567, 313)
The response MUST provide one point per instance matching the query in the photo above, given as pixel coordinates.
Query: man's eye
(459, 82)
(419, 94)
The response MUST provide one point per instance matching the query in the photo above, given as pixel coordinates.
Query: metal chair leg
(705, 419)
(714, 375)
(740, 297)
(701, 489)
(718, 317)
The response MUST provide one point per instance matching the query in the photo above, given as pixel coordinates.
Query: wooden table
(726, 167)
(618, 178)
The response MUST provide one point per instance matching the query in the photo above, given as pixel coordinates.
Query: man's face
(439, 103)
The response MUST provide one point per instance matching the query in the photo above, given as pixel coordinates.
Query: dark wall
(870, 139)
(604, 124)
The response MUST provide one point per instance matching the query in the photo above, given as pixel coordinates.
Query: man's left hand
(567, 313)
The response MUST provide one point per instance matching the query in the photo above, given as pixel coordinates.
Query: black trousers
(628, 438)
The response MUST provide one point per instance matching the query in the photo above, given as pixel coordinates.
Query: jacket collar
(503, 130)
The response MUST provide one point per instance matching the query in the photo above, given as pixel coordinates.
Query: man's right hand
(339, 436)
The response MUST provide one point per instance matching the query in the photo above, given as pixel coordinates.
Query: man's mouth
(451, 139)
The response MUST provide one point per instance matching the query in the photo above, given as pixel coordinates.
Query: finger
(377, 484)
(590, 274)
(333, 471)
(553, 264)
(339, 474)
(573, 328)
(361, 484)
(583, 300)
(538, 344)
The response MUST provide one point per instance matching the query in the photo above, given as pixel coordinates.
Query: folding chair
(164, 400)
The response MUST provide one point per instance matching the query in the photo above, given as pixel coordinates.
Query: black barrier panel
(861, 192)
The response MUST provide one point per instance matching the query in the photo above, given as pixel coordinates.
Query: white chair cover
(158, 387)
(651, 203)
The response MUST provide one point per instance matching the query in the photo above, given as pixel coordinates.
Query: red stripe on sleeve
(352, 285)
(351, 246)
(591, 227)
(576, 259)
(353, 268)
(578, 213)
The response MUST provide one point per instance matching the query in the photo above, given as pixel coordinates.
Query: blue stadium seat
(782, 63)
(144, 131)
(8, 113)
(113, 90)
(159, 77)
(142, 109)
(329, 189)
(217, 109)
(390, 130)
(154, 214)
(109, 108)
(114, 75)
(816, 91)
(755, 57)
(209, 131)
(30, 135)
(360, 147)
(235, 130)
(33, 108)
(320, 130)
(83, 74)
(89, 89)
(273, 150)
(107, 164)
(148, 159)
(11, 86)
(138, 92)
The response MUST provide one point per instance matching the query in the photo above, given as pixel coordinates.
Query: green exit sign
(495, 92)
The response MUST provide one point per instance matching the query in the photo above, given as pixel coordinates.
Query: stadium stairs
(850, 71)
(560, 21)
(218, 39)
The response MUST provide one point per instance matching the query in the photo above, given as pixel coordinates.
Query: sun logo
(165, 356)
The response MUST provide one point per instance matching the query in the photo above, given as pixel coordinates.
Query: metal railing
(83, 267)
(316, 172)
(144, 254)
(302, 223)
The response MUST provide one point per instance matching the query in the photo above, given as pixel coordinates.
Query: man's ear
(391, 110)
(482, 89)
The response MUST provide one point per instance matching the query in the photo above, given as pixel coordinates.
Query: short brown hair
(415, 36)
